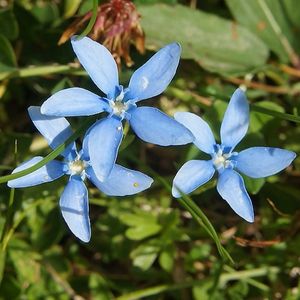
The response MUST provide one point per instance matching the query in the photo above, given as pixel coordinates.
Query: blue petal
(47, 173)
(98, 62)
(121, 181)
(73, 102)
(154, 76)
(75, 209)
(85, 145)
(260, 162)
(204, 138)
(232, 189)
(103, 143)
(191, 175)
(153, 126)
(55, 129)
(236, 120)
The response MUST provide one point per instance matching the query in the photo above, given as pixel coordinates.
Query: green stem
(7, 220)
(274, 113)
(52, 155)
(10, 206)
(246, 274)
(188, 97)
(196, 213)
(224, 279)
(156, 290)
(199, 216)
(253, 282)
(92, 20)
(216, 281)
(41, 71)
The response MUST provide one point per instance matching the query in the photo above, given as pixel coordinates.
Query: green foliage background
(149, 246)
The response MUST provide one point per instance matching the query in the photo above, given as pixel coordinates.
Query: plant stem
(7, 219)
(198, 215)
(52, 155)
(205, 102)
(274, 113)
(42, 71)
(92, 20)
(224, 279)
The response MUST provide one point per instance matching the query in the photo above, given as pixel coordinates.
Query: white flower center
(221, 160)
(77, 167)
(119, 108)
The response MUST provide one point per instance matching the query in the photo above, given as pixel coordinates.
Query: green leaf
(143, 231)
(62, 84)
(8, 24)
(45, 12)
(51, 226)
(217, 44)
(10, 288)
(85, 7)
(202, 291)
(71, 6)
(137, 219)
(253, 185)
(144, 256)
(54, 257)
(142, 225)
(26, 266)
(148, 2)
(166, 260)
(7, 55)
(127, 140)
(292, 13)
(199, 252)
(266, 19)
(238, 291)
(99, 287)
(258, 121)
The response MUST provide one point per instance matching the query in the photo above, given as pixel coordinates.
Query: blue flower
(149, 124)
(74, 199)
(254, 162)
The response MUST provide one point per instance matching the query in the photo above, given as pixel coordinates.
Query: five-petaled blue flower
(150, 124)
(254, 162)
(74, 199)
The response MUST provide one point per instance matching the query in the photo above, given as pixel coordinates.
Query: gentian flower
(255, 162)
(74, 199)
(150, 124)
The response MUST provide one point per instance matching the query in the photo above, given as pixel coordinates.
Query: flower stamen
(77, 167)
(223, 160)
(119, 108)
